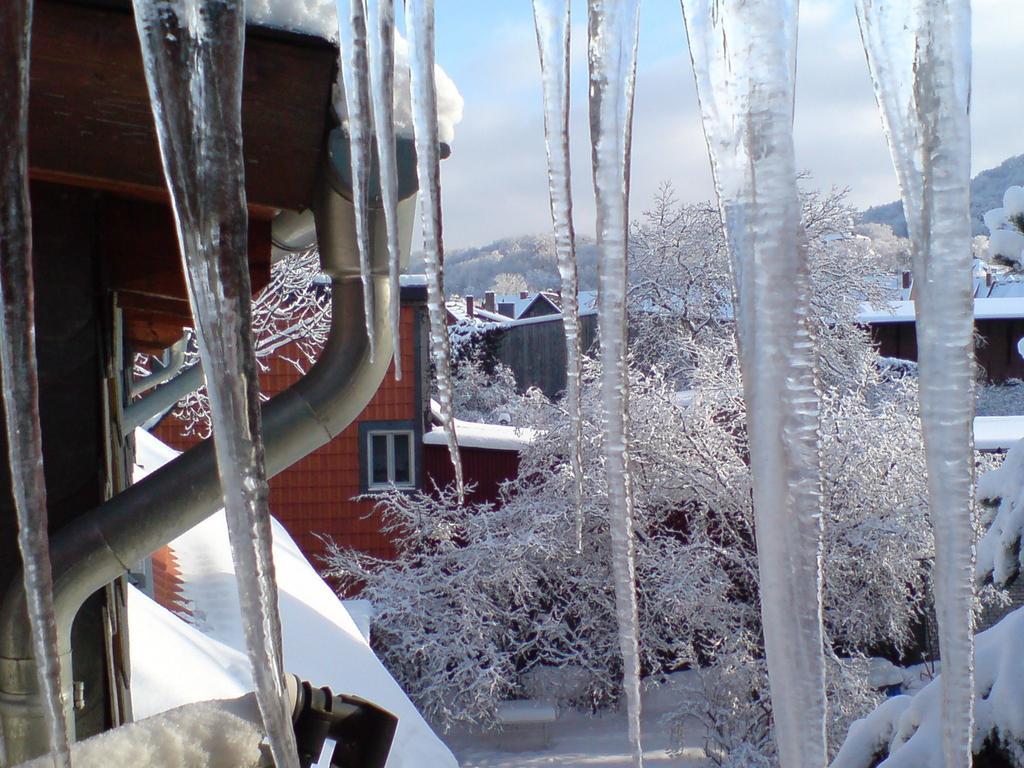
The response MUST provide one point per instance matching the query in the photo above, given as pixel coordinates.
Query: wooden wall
(996, 351)
(536, 352)
(484, 467)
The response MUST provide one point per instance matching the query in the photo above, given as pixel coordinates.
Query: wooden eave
(90, 122)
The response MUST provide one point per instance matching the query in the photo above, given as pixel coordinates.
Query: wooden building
(108, 275)
(998, 324)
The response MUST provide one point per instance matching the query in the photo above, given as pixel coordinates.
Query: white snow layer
(320, 18)
(495, 437)
(321, 642)
(208, 734)
(910, 727)
(903, 311)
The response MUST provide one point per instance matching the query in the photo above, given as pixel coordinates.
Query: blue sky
(494, 185)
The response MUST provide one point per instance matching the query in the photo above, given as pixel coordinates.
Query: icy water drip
(920, 61)
(613, 28)
(355, 75)
(19, 372)
(420, 26)
(744, 62)
(552, 20)
(380, 19)
(192, 53)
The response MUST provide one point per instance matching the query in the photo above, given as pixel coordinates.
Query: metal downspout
(105, 543)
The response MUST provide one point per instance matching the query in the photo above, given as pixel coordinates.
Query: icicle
(352, 34)
(381, 50)
(613, 26)
(552, 19)
(19, 372)
(744, 62)
(919, 57)
(192, 52)
(420, 27)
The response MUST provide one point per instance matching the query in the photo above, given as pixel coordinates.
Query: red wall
(315, 496)
(486, 468)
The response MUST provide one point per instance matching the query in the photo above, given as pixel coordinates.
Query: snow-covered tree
(904, 731)
(291, 321)
(493, 601)
(509, 283)
(1006, 230)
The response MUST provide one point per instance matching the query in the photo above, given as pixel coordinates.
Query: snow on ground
(204, 668)
(581, 741)
(322, 644)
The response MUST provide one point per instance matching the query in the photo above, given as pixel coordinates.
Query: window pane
(378, 459)
(403, 464)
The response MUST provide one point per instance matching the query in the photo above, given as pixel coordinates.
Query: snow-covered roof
(495, 437)
(412, 281)
(902, 311)
(474, 434)
(487, 320)
(322, 643)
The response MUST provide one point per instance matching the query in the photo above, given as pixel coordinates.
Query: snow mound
(909, 728)
(321, 642)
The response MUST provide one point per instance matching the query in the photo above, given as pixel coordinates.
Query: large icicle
(420, 28)
(920, 61)
(352, 34)
(552, 20)
(380, 19)
(192, 52)
(19, 372)
(744, 61)
(613, 27)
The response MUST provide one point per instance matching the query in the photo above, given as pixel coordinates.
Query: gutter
(105, 543)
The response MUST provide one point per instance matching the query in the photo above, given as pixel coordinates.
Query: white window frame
(390, 434)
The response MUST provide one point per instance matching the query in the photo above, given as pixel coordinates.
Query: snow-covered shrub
(485, 391)
(730, 700)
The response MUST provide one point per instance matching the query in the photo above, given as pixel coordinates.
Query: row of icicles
(744, 59)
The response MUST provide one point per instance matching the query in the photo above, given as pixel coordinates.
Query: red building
(319, 496)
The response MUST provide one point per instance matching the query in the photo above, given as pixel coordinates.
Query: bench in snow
(525, 725)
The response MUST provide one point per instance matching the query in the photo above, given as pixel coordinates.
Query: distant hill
(471, 271)
(986, 193)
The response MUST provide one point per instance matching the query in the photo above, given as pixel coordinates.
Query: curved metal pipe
(104, 544)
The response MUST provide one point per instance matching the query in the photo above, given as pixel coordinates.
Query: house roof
(322, 643)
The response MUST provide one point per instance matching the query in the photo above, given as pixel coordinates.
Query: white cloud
(495, 184)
